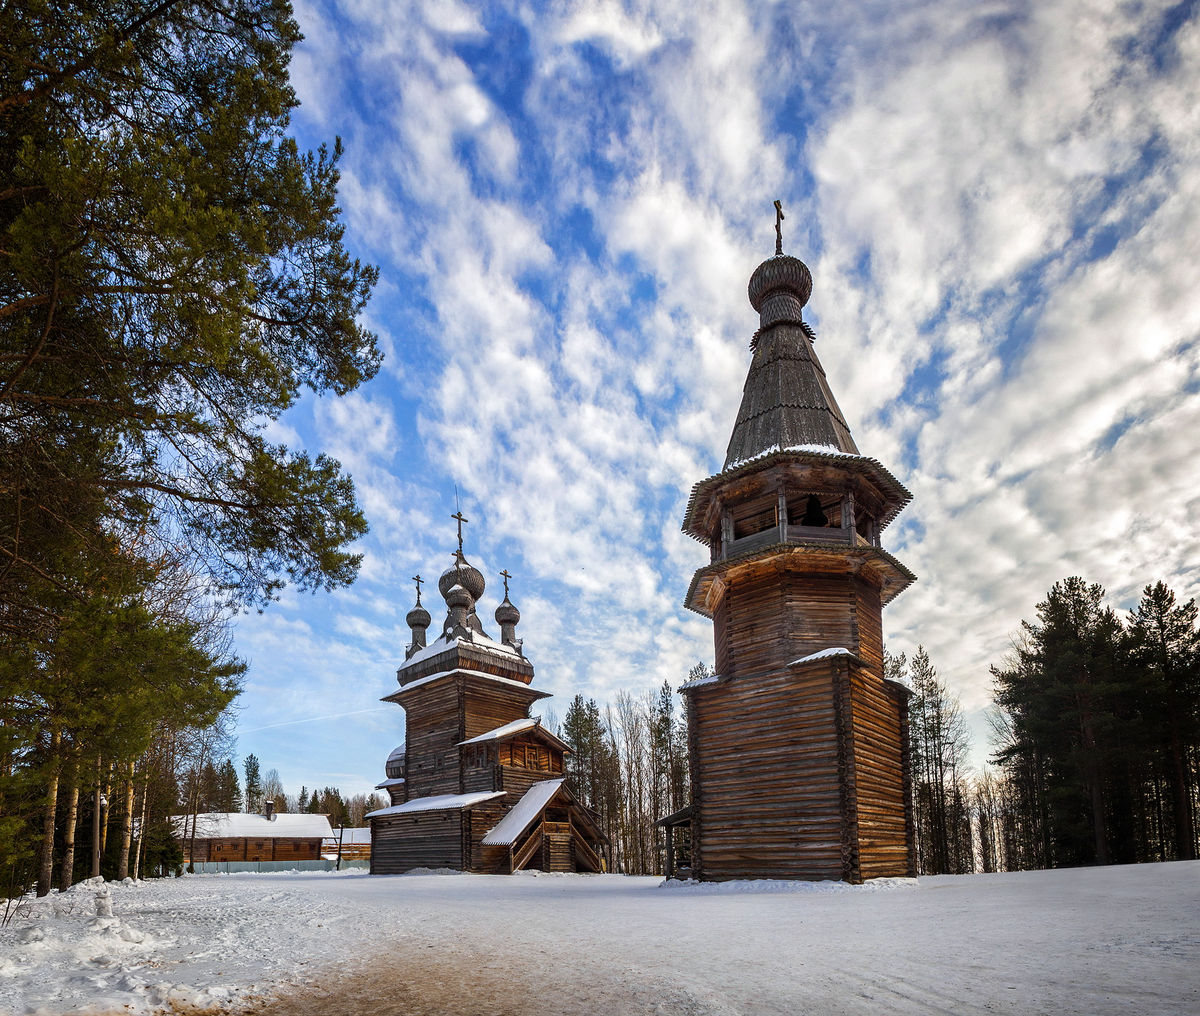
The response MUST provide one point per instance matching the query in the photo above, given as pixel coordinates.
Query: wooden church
(798, 745)
(479, 783)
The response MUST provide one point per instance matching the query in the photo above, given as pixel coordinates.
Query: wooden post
(848, 520)
(781, 512)
(670, 851)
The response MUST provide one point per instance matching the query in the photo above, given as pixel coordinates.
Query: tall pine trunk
(66, 876)
(46, 873)
(126, 827)
(1185, 831)
(141, 840)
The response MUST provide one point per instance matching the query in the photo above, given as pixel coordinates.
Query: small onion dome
(464, 574)
(779, 288)
(418, 617)
(395, 764)
(458, 596)
(506, 613)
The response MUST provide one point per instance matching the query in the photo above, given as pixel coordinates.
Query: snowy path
(1088, 941)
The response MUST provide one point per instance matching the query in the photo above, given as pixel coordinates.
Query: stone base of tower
(801, 774)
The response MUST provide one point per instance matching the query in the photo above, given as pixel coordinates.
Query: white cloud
(959, 167)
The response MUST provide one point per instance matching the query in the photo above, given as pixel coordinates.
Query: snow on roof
(397, 753)
(235, 825)
(438, 802)
(700, 682)
(819, 449)
(429, 678)
(353, 835)
(824, 654)
(506, 831)
(395, 781)
(509, 728)
(442, 643)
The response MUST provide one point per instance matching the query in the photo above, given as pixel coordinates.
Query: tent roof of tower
(893, 492)
(786, 399)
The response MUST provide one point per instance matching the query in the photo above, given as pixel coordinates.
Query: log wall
(428, 839)
(432, 736)
(797, 772)
(883, 838)
(254, 849)
(765, 757)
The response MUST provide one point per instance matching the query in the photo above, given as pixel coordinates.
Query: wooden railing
(531, 847)
(794, 534)
(583, 850)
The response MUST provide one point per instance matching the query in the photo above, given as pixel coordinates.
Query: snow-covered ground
(1088, 941)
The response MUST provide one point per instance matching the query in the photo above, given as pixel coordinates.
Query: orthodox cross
(778, 227)
(506, 578)
(418, 580)
(461, 519)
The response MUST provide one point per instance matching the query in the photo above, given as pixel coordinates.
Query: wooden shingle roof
(786, 400)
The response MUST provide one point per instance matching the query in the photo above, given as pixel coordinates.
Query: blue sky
(1000, 205)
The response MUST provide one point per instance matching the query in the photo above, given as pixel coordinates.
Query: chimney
(269, 811)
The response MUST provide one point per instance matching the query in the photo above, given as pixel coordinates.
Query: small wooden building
(348, 844)
(478, 784)
(233, 836)
(798, 746)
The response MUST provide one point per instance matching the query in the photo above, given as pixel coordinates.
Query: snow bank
(1120, 940)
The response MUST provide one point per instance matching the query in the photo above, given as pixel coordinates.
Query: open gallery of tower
(798, 745)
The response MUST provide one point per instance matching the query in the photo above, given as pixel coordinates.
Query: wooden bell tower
(798, 746)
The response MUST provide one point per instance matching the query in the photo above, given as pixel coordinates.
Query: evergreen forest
(172, 278)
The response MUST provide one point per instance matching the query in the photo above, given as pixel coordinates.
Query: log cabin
(234, 836)
(478, 784)
(798, 744)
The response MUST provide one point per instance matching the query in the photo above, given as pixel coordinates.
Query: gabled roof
(237, 825)
(509, 829)
(438, 802)
(530, 724)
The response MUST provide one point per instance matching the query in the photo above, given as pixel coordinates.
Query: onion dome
(506, 613)
(418, 617)
(462, 573)
(458, 596)
(779, 289)
(395, 763)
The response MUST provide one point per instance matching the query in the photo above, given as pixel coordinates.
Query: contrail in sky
(312, 719)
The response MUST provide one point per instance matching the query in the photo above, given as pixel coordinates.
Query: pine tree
(1060, 702)
(172, 276)
(254, 790)
(939, 746)
(1166, 651)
